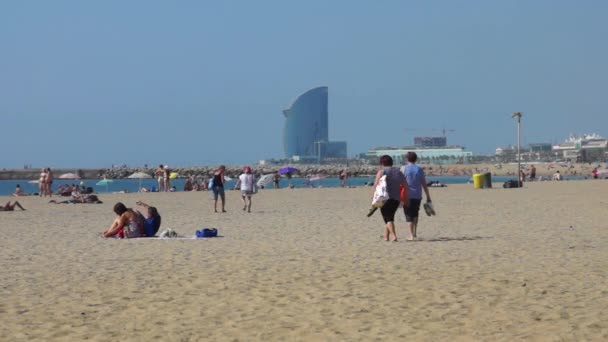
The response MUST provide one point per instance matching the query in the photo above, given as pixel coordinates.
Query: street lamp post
(518, 116)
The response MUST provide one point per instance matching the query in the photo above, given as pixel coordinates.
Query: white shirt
(247, 181)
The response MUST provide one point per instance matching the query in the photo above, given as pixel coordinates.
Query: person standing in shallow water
(394, 180)
(218, 188)
(416, 183)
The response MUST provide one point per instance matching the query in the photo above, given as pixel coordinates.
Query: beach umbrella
(265, 180)
(69, 176)
(173, 175)
(105, 182)
(287, 170)
(140, 176)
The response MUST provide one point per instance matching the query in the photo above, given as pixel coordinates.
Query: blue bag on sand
(206, 233)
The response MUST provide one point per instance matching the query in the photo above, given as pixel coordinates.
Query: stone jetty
(196, 171)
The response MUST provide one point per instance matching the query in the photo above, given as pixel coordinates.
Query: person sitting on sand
(11, 207)
(19, 192)
(188, 185)
(557, 176)
(152, 221)
(128, 224)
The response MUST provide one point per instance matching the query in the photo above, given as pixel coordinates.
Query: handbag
(254, 186)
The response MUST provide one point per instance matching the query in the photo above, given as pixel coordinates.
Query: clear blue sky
(92, 83)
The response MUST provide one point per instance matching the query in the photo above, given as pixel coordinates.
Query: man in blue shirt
(416, 183)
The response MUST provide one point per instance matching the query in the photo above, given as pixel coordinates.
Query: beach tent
(265, 180)
(140, 176)
(317, 178)
(69, 176)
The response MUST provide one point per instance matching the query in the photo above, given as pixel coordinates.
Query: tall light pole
(518, 116)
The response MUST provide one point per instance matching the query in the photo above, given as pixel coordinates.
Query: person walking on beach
(275, 179)
(416, 183)
(218, 188)
(394, 180)
(247, 183)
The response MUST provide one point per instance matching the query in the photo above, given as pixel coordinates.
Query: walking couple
(411, 178)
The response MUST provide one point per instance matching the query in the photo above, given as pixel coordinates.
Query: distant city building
(540, 148)
(588, 147)
(443, 155)
(430, 141)
(306, 136)
(506, 151)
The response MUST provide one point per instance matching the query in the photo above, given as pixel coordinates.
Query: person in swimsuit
(48, 182)
(159, 176)
(19, 191)
(41, 180)
(166, 179)
(218, 188)
(11, 207)
(394, 180)
(275, 180)
(128, 224)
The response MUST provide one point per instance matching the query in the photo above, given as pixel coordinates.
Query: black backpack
(512, 184)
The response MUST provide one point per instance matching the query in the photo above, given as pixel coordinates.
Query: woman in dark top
(218, 188)
(394, 180)
(151, 221)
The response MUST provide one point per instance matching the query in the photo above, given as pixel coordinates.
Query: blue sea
(7, 187)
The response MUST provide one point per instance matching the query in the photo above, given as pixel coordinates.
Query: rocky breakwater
(235, 171)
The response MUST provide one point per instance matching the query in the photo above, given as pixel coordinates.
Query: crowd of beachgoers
(403, 189)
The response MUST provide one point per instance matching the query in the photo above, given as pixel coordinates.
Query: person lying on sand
(80, 198)
(128, 224)
(11, 207)
(151, 220)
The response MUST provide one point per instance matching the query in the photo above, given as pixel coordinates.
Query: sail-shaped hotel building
(306, 135)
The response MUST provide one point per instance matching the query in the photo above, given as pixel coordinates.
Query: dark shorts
(389, 209)
(412, 210)
(218, 191)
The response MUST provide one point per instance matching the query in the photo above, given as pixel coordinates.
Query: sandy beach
(306, 264)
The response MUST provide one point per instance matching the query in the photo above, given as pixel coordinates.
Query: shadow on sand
(457, 238)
